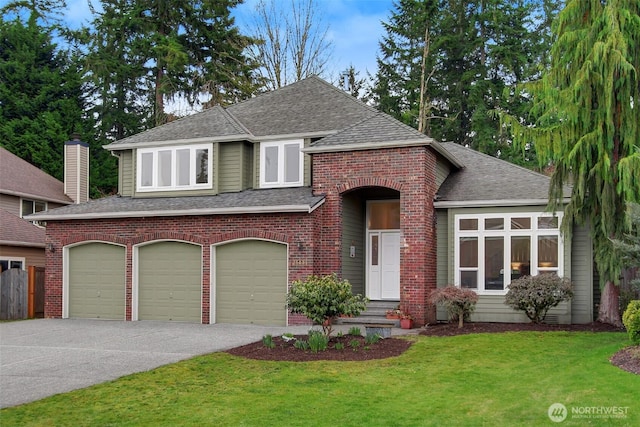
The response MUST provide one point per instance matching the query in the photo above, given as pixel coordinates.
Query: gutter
(492, 203)
(179, 212)
(22, 244)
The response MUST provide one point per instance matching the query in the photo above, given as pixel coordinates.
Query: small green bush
(318, 341)
(323, 298)
(372, 338)
(535, 295)
(339, 346)
(355, 344)
(267, 341)
(458, 302)
(631, 321)
(301, 345)
(354, 330)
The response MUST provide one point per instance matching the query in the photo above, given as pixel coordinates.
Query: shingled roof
(487, 181)
(15, 231)
(298, 199)
(20, 178)
(310, 107)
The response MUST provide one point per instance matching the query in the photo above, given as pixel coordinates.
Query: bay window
(174, 168)
(491, 250)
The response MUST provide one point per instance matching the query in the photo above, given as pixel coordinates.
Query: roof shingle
(15, 231)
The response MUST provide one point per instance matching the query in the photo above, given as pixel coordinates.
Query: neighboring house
(25, 190)
(217, 213)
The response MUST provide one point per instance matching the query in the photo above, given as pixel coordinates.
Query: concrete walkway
(43, 357)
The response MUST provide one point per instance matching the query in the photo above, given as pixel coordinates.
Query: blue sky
(354, 28)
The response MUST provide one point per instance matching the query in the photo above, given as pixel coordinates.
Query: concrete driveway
(43, 357)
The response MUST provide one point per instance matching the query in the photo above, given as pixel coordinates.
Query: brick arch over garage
(369, 182)
(168, 236)
(93, 237)
(250, 234)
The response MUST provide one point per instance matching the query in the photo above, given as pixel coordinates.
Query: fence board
(13, 294)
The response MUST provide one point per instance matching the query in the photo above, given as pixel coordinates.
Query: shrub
(535, 295)
(339, 346)
(301, 345)
(458, 302)
(355, 344)
(631, 320)
(372, 338)
(323, 298)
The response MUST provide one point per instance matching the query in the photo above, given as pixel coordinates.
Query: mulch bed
(285, 351)
(628, 358)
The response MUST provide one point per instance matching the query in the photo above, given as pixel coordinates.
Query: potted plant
(406, 320)
(394, 313)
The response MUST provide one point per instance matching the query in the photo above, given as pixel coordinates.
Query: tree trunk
(609, 311)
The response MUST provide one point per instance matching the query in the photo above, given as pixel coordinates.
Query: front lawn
(483, 379)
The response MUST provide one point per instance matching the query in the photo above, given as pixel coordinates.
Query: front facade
(218, 213)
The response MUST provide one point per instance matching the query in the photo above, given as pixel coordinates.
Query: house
(218, 212)
(25, 190)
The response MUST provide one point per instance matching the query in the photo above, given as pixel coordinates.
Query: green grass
(474, 380)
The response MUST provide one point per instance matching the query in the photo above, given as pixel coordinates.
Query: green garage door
(170, 282)
(97, 281)
(251, 282)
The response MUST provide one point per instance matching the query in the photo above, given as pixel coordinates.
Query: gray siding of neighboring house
(491, 308)
(582, 273)
(442, 263)
(10, 204)
(353, 217)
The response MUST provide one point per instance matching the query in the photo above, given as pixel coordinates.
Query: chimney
(76, 169)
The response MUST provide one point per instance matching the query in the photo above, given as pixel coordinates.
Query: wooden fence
(21, 293)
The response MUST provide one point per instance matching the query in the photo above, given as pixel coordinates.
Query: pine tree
(40, 89)
(588, 125)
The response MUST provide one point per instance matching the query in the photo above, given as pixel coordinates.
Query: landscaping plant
(535, 295)
(458, 302)
(323, 298)
(631, 321)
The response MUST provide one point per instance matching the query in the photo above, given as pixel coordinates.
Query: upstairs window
(32, 206)
(492, 250)
(174, 168)
(281, 163)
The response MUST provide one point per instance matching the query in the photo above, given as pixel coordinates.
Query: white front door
(383, 265)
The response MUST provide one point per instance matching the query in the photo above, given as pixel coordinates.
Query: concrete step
(374, 314)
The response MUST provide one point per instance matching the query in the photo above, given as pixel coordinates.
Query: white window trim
(12, 258)
(281, 164)
(174, 170)
(534, 233)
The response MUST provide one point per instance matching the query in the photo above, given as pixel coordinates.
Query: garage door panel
(97, 281)
(251, 282)
(170, 282)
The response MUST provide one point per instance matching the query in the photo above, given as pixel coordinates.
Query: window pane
(374, 250)
(468, 224)
(202, 166)
(27, 207)
(520, 256)
(164, 168)
(521, 223)
(384, 216)
(468, 252)
(271, 164)
(16, 264)
(4, 265)
(547, 251)
(494, 224)
(469, 279)
(183, 165)
(146, 169)
(292, 163)
(494, 263)
(40, 206)
(548, 223)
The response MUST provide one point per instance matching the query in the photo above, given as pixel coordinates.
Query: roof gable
(20, 178)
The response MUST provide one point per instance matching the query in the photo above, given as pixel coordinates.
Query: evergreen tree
(41, 101)
(588, 125)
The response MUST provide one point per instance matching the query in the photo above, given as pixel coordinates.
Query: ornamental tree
(323, 298)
